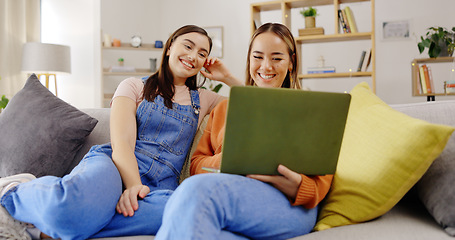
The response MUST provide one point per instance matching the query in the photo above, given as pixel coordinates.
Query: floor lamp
(47, 60)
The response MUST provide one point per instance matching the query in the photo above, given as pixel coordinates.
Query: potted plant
(439, 41)
(310, 17)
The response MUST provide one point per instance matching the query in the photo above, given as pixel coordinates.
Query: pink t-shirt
(133, 87)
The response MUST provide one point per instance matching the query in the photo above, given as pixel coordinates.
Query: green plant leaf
(3, 102)
(421, 47)
(217, 87)
(437, 40)
(309, 12)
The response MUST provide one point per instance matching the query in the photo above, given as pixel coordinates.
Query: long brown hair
(162, 82)
(282, 32)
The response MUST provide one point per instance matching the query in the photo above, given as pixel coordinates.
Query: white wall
(155, 19)
(77, 24)
(393, 60)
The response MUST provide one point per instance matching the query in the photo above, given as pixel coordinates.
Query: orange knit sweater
(311, 191)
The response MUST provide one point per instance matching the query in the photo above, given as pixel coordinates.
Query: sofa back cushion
(435, 188)
(99, 135)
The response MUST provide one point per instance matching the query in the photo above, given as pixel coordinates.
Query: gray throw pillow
(40, 133)
(435, 189)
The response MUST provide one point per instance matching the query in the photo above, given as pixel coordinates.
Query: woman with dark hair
(120, 188)
(226, 206)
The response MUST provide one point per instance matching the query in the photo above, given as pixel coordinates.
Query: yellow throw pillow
(383, 154)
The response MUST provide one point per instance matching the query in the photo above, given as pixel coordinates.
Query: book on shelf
(419, 84)
(366, 61)
(362, 58)
(449, 86)
(351, 20)
(423, 82)
(426, 80)
(311, 31)
(430, 75)
(315, 70)
(342, 22)
(345, 18)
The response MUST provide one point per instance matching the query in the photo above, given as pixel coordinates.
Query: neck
(179, 81)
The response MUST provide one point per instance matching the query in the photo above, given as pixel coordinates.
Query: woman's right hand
(128, 204)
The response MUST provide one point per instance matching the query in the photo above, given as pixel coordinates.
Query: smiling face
(269, 60)
(187, 55)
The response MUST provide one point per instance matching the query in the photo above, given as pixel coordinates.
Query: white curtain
(19, 23)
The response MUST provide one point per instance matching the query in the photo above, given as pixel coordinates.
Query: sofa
(421, 208)
(408, 219)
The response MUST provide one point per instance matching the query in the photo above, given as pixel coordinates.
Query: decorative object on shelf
(120, 61)
(116, 42)
(158, 44)
(216, 34)
(310, 17)
(153, 65)
(318, 70)
(136, 41)
(321, 61)
(107, 40)
(439, 41)
(449, 87)
(321, 68)
(45, 59)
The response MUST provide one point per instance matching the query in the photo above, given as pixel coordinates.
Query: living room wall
(155, 20)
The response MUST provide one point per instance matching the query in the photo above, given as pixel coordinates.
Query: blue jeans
(224, 206)
(82, 204)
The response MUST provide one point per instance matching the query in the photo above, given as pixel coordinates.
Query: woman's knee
(201, 183)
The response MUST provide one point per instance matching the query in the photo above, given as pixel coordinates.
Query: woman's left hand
(288, 182)
(218, 71)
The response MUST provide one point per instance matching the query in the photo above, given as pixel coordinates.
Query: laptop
(265, 127)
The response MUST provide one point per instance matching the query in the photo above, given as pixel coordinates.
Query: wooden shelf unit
(415, 71)
(138, 71)
(285, 7)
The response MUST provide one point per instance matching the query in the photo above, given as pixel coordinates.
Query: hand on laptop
(288, 182)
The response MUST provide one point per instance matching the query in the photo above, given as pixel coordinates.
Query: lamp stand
(47, 80)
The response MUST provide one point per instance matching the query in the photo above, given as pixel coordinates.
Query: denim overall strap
(164, 136)
(195, 102)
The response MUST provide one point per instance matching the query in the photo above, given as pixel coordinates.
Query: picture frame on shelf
(216, 34)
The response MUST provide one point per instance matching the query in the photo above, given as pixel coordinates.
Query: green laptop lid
(265, 127)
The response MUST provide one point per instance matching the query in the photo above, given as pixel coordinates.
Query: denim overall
(82, 204)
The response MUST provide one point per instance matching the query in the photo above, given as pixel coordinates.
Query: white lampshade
(46, 58)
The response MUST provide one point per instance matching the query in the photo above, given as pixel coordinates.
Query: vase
(445, 51)
(310, 22)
